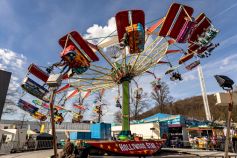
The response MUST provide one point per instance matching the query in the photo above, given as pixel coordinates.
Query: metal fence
(14, 146)
(220, 145)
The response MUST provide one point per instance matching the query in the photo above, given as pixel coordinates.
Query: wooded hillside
(192, 107)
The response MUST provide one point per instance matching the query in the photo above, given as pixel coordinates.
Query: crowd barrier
(220, 145)
(14, 146)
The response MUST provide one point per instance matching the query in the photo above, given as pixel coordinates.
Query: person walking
(67, 150)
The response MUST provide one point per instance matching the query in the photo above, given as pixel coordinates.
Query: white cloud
(101, 31)
(11, 59)
(14, 63)
(227, 61)
(189, 77)
(221, 66)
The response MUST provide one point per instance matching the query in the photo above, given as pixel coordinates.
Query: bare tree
(99, 107)
(160, 94)
(118, 117)
(139, 103)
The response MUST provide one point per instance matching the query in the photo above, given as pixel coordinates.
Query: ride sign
(130, 147)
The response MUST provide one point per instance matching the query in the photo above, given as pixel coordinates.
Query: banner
(34, 89)
(27, 106)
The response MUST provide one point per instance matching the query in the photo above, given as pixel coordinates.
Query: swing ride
(87, 67)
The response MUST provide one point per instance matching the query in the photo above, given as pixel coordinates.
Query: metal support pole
(204, 94)
(125, 109)
(100, 108)
(227, 140)
(52, 121)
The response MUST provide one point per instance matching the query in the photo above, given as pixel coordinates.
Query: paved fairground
(165, 153)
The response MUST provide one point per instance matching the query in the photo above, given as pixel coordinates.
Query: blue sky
(30, 29)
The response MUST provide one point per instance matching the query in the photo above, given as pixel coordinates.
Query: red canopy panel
(155, 26)
(173, 51)
(202, 23)
(39, 73)
(122, 20)
(192, 48)
(162, 62)
(80, 44)
(176, 18)
(185, 58)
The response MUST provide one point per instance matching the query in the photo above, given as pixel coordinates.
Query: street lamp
(227, 84)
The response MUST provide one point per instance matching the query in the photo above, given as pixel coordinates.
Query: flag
(63, 88)
(73, 93)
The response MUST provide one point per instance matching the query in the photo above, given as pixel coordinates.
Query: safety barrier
(220, 145)
(14, 146)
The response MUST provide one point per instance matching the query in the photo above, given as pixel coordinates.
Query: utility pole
(51, 104)
(230, 108)
(204, 94)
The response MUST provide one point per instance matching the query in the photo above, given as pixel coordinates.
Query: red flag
(63, 88)
(86, 94)
(172, 51)
(72, 94)
(81, 107)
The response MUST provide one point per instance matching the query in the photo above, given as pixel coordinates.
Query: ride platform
(129, 147)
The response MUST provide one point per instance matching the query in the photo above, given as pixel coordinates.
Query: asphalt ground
(165, 153)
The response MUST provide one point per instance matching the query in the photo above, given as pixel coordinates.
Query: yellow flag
(42, 128)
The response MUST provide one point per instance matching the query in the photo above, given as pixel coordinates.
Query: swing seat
(58, 119)
(185, 31)
(76, 120)
(77, 117)
(123, 20)
(75, 60)
(210, 34)
(35, 89)
(80, 46)
(73, 57)
(202, 24)
(27, 106)
(39, 116)
(204, 48)
(192, 65)
(136, 38)
(176, 76)
(39, 73)
(170, 70)
(202, 41)
(118, 105)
